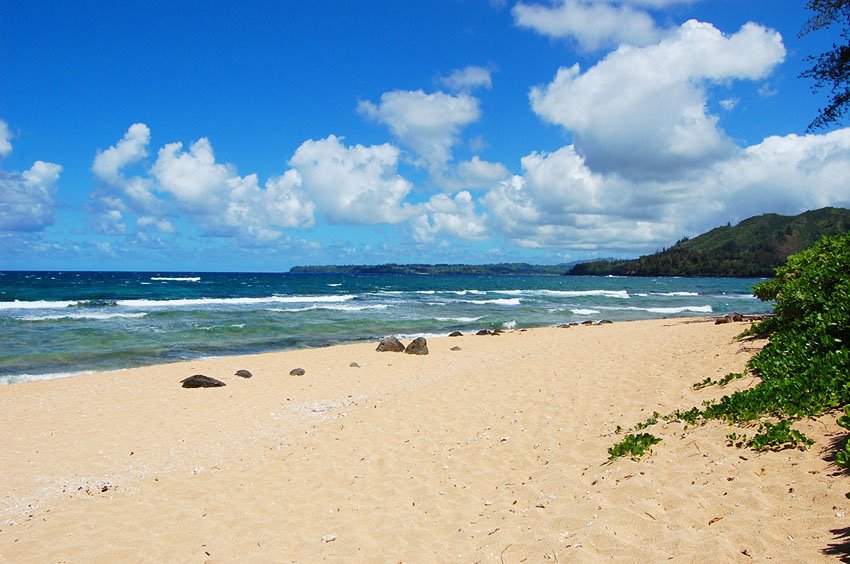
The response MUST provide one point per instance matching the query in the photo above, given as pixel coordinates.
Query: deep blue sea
(54, 324)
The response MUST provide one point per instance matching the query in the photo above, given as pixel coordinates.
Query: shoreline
(441, 457)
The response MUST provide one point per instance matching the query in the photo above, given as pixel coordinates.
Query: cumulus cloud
(558, 201)
(429, 124)
(592, 25)
(452, 216)
(478, 173)
(641, 112)
(225, 203)
(117, 191)
(353, 184)
(5, 139)
(191, 181)
(467, 78)
(27, 200)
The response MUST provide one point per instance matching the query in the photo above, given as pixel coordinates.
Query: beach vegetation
(804, 369)
(830, 69)
(634, 446)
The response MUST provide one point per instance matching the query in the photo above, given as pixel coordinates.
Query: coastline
(498, 450)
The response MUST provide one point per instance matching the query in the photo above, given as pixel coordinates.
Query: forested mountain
(753, 248)
(478, 269)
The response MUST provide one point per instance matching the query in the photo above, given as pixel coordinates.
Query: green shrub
(633, 445)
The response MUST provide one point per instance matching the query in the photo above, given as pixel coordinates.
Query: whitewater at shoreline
(496, 451)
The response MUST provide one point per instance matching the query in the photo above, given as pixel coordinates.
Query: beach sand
(493, 453)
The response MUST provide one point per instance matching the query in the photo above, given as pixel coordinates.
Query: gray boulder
(243, 373)
(297, 372)
(455, 334)
(418, 346)
(390, 344)
(201, 381)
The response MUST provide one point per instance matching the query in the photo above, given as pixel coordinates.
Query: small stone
(484, 332)
(390, 344)
(329, 538)
(605, 322)
(243, 374)
(455, 334)
(455, 348)
(201, 381)
(418, 346)
(297, 372)
(354, 365)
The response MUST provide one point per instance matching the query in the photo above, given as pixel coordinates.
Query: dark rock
(737, 317)
(243, 374)
(455, 334)
(390, 344)
(354, 365)
(564, 325)
(484, 332)
(455, 348)
(201, 381)
(588, 322)
(721, 320)
(605, 322)
(297, 372)
(496, 332)
(418, 346)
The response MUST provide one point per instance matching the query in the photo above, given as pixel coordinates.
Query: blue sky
(258, 135)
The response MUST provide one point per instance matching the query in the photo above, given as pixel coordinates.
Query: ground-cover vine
(804, 369)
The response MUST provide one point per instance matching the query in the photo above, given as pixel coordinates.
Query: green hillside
(752, 248)
(502, 269)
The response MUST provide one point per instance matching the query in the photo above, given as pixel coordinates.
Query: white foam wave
(585, 311)
(234, 301)
(501, 301)
(620, 294)
(92, 315)
(458, 319)
(20, 378)
(38, 304)
(665, 310)
(176, 278)
(509, 324)
(329, 307)
(465, 292)
(334, 285)
(675, 294)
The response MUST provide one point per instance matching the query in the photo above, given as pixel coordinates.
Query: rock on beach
(201, 381)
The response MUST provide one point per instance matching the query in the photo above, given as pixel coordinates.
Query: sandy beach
(496, 452)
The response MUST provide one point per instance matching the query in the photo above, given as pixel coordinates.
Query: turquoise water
(54, 324)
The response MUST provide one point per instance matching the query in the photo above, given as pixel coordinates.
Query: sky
(256, 135)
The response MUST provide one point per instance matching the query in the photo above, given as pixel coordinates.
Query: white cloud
(559, 202)
(641, 112)
(478, 173)
(27, 200)
(452, 216)
(5, 139)
(467, 78)
(108, 167)
(225, 203)
(729, 104)
(161, 225)
(429, 124)
(592, 25)
(353, 184)
(211, 194)
(132, 148)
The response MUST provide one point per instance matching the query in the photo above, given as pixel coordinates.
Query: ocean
(55, 324)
